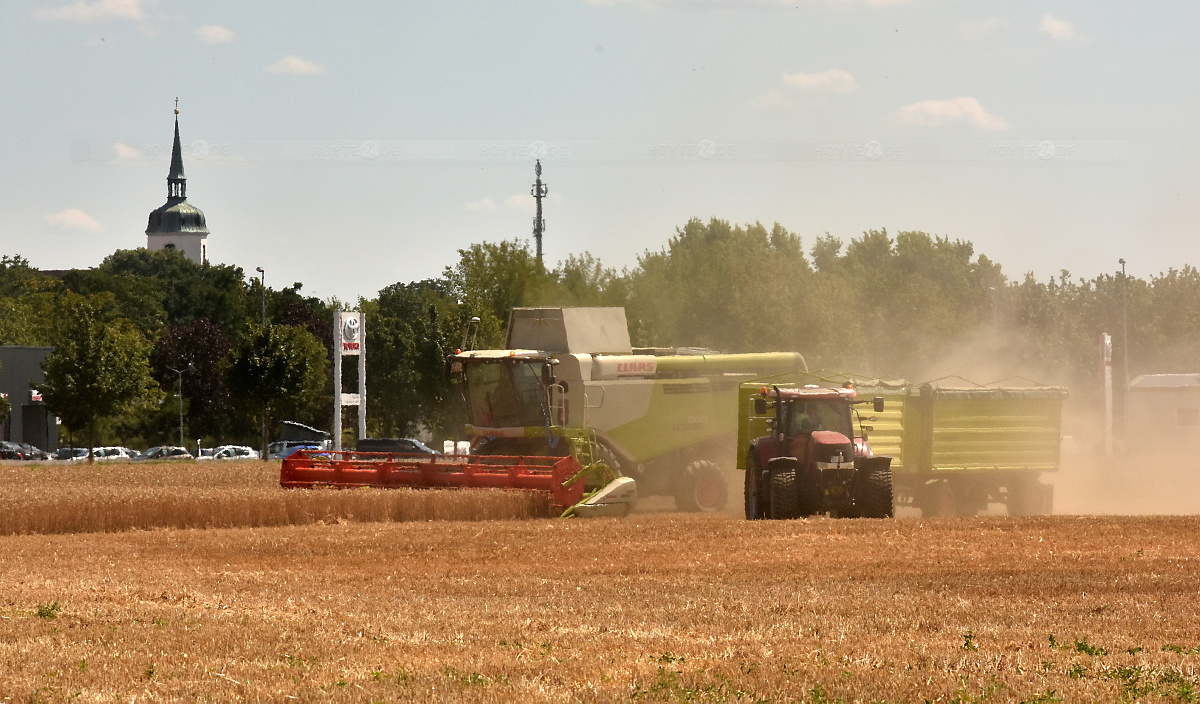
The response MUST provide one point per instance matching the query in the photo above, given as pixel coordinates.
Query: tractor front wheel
(785, 494)
(756, 495)
(701, 488)
(875, 494)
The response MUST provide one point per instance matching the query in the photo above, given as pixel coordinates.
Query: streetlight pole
(262, 286)
(179, 373)
(1125, 346)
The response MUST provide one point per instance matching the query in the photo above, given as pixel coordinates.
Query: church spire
(176, 181)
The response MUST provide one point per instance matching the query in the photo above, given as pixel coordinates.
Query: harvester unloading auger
(571, 408)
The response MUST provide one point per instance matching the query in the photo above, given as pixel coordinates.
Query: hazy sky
(353, 145)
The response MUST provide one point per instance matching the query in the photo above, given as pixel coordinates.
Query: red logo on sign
(635, 367)
(349, 345)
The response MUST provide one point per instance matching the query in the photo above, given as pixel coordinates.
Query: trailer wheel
(701, 488)
(875, 497)
(785, 494)
(755, 493)
(1029, 497)
(939, 499)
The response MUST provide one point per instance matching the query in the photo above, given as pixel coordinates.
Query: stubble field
(656, 607)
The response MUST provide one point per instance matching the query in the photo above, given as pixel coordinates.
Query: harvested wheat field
(656, 607)
(76, 498)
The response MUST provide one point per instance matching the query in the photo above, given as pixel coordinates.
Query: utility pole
(1125, 349)
(539, 192)
(180, 372)
(262, 286)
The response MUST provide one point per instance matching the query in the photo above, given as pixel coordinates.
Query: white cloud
(832, 81)
(1058, 29)
(124, 152)
(296, 66)
(771, 99)
(214, 34)
(481, 204)
(983, 27)
(937, 113)
(521, 202)
(73, 220)
(658, 4)
(84, 12)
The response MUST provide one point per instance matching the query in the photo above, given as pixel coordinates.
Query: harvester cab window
(505, 395)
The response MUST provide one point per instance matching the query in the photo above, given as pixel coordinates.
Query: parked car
(110, 453)
(407, 446)
(33, 453)
(166, 452)
(235, 452)
(206, 453)
(281, 449)
(71, 454)
(10, 451)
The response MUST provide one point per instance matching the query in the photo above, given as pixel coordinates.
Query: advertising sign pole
(349, 339)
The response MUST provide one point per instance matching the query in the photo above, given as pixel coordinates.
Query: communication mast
(539, 192)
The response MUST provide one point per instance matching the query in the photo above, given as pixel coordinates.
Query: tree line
(144, 326)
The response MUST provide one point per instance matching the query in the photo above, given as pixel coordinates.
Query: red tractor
(813, 462)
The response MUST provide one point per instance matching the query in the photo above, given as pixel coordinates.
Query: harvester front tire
(785, 494)
(875, 498)
(755, 494)
(701, 488)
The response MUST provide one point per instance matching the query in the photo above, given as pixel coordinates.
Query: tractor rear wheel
(701, 488)
(785, 494)
(755, 493)
(875, 494)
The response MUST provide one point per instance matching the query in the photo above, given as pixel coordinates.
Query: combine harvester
(570, 407)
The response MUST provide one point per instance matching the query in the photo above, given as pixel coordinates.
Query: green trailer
(956, 447)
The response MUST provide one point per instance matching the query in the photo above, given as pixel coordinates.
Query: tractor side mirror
(760, 406)
(879, 404)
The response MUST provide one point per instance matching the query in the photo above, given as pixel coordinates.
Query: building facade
(178, 224)
(1165, 408)
(30, 421)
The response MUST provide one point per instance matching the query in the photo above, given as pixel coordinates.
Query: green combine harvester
(665, 418)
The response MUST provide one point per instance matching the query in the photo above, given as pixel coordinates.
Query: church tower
(178, 224)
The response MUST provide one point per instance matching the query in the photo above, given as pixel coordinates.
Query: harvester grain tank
(663, 417)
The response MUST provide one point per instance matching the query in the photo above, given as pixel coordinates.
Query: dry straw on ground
(651, 608)
(79, 498)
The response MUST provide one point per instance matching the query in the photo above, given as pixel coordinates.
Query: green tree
(279, 372)
(411, 329)
(188, 290)
(27, 299)
(490, 279)
(99, 365)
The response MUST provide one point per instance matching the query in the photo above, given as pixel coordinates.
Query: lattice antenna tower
(539, 192)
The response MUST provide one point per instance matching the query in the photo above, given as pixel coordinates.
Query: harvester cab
(813, 462)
